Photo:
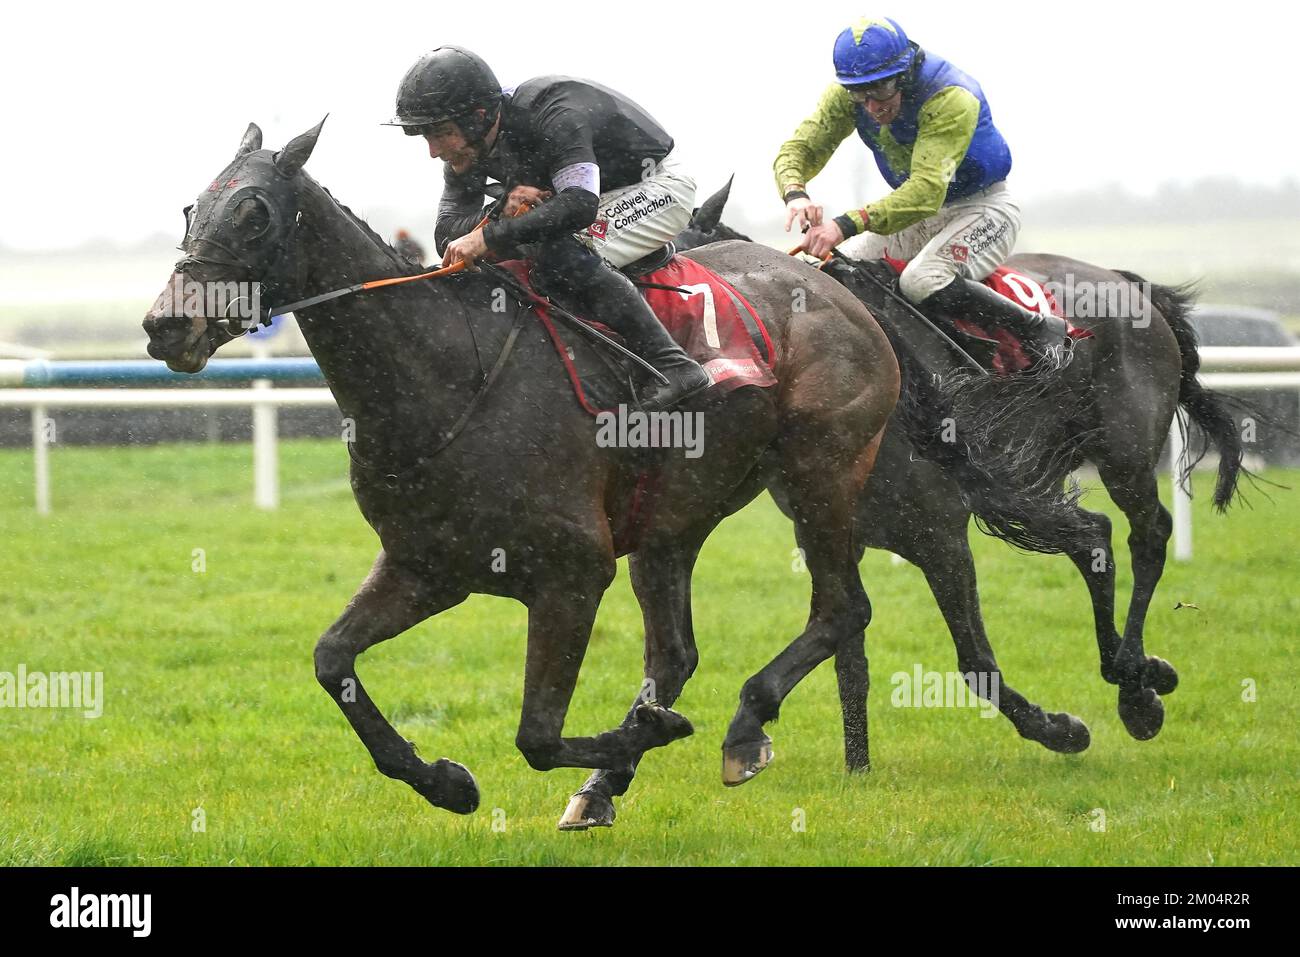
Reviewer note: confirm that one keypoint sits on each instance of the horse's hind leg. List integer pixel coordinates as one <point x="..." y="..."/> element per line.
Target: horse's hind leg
<point x="913" y="510"/>
<point x="1095" y="560"/>
<point x="823" y="472"/>
<point x="389" y="601"/>
<point x="1142" y="679"/>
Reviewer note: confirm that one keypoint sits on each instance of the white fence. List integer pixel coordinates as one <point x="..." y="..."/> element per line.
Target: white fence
<point x="260" y="397"/>
<point x="1226" y="368"/>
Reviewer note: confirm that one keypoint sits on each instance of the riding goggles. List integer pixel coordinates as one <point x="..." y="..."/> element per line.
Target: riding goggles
<point x="879" y="90"/>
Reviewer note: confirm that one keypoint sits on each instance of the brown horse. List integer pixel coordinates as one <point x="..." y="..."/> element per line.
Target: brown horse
<point x="481" y="474"/>
<point x="1112" y="405"/>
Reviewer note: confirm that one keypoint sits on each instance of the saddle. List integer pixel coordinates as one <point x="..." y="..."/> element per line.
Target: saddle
<point x="706" y="315"/>
<point x="996" y="349"/>
<point x="658" y="259"/>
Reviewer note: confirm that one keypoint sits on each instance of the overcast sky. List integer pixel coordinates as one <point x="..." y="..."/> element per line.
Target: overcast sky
<point x="117" y="114"/>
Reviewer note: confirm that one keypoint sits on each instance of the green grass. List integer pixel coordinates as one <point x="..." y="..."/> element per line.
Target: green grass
<point x="211" y="702"/>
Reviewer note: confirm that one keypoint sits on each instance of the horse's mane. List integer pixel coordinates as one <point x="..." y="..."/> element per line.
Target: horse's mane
<point x="404" y="267"/>
<point x="468" y="287"/>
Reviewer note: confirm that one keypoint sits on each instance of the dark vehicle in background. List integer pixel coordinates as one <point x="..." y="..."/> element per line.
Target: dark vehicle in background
<point x="1278" y="433"/>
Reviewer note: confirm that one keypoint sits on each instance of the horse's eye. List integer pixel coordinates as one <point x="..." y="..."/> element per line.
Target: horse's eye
<point x="252" y="218"/>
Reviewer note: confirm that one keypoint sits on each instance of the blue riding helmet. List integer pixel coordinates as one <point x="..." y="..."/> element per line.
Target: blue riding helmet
<point x="872" y="49"/>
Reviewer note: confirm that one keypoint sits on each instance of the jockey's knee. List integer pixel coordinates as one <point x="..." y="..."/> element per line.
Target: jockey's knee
<point x="565" y="265"/>
<point x="923" y="278"/>
<point x="864" y="246"/>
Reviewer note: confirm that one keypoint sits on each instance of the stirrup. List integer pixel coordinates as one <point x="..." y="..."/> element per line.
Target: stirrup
<point x="1052" y="354"/>
<point x="660" y="398"/>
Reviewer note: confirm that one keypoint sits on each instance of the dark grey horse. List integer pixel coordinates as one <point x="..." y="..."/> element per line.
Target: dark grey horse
<point x="480" y="473"/>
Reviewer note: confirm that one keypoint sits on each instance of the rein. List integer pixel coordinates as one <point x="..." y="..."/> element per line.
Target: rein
<point x="519" y="289"/>
<point x="378" y="283"/>
<point x="923" y="321"/>
<point x="525" y="297"/>
<point x="363" y="286"/>
<point x="393" y="479"/>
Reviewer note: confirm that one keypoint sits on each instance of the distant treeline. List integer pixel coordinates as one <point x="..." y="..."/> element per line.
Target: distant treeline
<point x="1216" y="199"/>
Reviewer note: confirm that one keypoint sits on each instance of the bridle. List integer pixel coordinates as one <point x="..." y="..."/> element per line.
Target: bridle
<point x="225" y="327"/>
<point x="222" y="330"/>
<point x="524" y="296"/>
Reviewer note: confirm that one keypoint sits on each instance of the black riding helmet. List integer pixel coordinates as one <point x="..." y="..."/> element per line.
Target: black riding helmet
<point x="449" y="83"/>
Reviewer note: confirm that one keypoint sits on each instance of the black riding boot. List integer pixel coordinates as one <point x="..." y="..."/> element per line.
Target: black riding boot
<point x="581" y="278"/>
<point x="622" y="308"/>
<point x="1042" y="336"/>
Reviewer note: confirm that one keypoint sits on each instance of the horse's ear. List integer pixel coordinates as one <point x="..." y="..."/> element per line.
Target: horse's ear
<point x="292" y="158"/>
<point x="252" y="141"/>
<point x="707" y="217"/>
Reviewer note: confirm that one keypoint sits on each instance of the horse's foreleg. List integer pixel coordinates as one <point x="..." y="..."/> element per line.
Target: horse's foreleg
<point x="389" y="601"/>
<point x="661" y="578"/>
<point x="853" y="682"/>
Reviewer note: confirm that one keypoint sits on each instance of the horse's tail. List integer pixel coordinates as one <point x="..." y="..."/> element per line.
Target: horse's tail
<point x="1206" y="408"/>
<point x="1005" y="443"/>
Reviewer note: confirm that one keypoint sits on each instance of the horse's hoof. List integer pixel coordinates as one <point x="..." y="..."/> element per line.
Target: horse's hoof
<point x="1142" y="712"/>
<point x="1065" y="734"/>
<point x="742" y="762"/>
<point x="587" y="809"/>
<point x="666" y="724"/>
<point x="1159" y="675"/>
<point x="448" y="785"/>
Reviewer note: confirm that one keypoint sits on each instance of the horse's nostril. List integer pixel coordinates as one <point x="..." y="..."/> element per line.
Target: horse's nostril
<point x="159" y="326"/>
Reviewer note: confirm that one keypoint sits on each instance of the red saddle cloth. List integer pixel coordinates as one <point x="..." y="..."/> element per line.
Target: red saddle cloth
<point x="702" y="312"/>
<point x="1023" y="291"/>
